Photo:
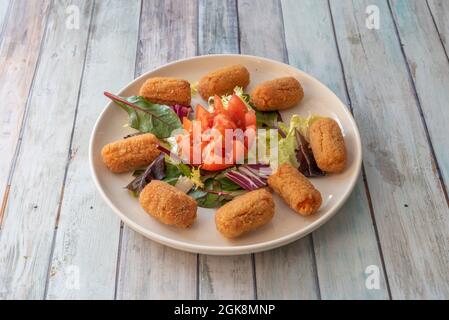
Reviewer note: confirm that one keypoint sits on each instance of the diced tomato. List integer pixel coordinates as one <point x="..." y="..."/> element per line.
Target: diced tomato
<point x="187" y="124"/>
<point x="237" y="110"/>
<point x="204" y="116"/>
<point x="222" y="122"/>
<point x="250" y="136"/>
<point x="250" y="118"/>
<point x="218" y="106"/>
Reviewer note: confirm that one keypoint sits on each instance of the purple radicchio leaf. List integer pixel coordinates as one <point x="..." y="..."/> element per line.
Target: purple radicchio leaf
<point x="155" y="171"/>
<point x="181" y="111"/>
<point x="306" y="160"/>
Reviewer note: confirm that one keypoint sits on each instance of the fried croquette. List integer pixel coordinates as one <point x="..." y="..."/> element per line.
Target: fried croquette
<point x="328" y="145"/>
<point x="168" y="204"/>
<point x="277" y="94"/>
<point x="245" y="213"/>
<point x="223" y="81"/>
<point x="296" y="190"/>
<point x="131" y="153"/>
<point x="166" y="90"/>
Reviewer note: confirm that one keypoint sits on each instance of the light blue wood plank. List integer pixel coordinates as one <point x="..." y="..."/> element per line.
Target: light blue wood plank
<point x="228" y="277"/>
<point x="148" y="270"/>
<point x="17" y="68"/>
<point x="87" y="238"/>
<point x="30" y="217"/>
<point x="440" y="14"/>
<point x="411" y="212"/>
<point x="346" y="245"/>
<point x="288" y="272"/>
<point x="420" y="41"/>
<point x="4" y="6"/>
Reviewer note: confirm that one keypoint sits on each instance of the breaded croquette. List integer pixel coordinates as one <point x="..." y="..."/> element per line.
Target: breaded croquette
<point x="166" y="90"/>
<point x="277" y="94"/>
<point x="245" y="213"/>
<point x="223" y="81"/>
<point x="328" y="145"/>
<point x="296" y="190"/>
<point x="131" y="153"/>
<point x="168" y="204"/>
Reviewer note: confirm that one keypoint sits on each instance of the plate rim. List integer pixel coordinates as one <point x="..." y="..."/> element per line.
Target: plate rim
<point x="230" y="250"/>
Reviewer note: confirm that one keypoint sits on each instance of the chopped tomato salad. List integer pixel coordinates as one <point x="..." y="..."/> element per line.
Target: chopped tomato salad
<point x="218" y="139"/>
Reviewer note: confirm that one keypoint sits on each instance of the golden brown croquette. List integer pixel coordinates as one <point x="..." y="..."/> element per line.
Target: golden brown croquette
<point x="328" y="145"/>
<point x="296" y="190"/>
<point x="168" y="204"/>
<point x="223" y="81"/>
<point x="245" y="213"/>
<point x="277" y="94"/>
<point x="166" y="90"/>
<point x="131" y="153"/>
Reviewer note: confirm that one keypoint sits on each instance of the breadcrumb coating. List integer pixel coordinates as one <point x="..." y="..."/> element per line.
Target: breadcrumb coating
<point x="166" y="90"/>
<point x="245" y="213"/>
<point x="168" y="204"/>
<point x="131" y="153"/>
<point x="328" y="145"/>
<point x="277" y="94"/>
<point x="223" y="81"/>
<point x="296" y="190"/>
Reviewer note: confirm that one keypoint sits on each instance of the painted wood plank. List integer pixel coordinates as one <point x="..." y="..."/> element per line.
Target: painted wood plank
<point x="218" y="27"/>
<point x="227" y="277"/>
<point x="408" y="201"/>
<point x="420" y="41"/>
<point x="440" y="14"/>
<point x="148" y="270"/>
<point x="4" y="6"/>
<point x="274" y="277"/>
<point x="346" y="245"/>
<point x="28" y="229"/>
<point x="19" y="52"/>
<point x="87" y="238"/>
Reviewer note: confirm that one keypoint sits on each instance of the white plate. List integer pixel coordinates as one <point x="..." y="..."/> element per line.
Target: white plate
<point x="203" y="237"/>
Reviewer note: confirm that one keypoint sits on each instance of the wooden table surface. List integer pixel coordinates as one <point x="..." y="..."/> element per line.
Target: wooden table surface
<point x="59" y="239"/>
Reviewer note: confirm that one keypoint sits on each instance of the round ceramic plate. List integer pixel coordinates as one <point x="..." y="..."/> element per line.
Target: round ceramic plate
<point x="203" y="237"/>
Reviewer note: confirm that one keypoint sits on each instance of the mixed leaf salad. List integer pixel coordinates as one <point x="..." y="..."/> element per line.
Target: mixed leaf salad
<point x="216" y="177"/>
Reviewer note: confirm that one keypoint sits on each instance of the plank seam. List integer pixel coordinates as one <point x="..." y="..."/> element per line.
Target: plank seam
<point x="437" y="29"/>
<point x="285" y="49"/>
<point x="239" y="36"/>
<point x="420" y="110"/>
<point x="120" y="239"/>
<point x="69" y="156"/>
<point x="27" y="106"/>
<point x="315" y="267"/>
<point x="253" y="267"/>
<point x="365" y="182"/>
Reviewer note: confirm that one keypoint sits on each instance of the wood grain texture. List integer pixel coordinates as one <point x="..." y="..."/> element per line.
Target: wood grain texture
<point x="420" y="40"/>
<point x="408" y="201"/>
<point x="297" y="277"/>
<point x="440" y="14"/>
<point x="87" y="238"/>
<point x="218" y="27"/>
<point x="148" y="270"/>
<point x="27" y="234"/>
<point x="348" y="240"/>
<point x="4" y="8"/>
<point x="19" y="53"/>
<point x="229" y="277"/>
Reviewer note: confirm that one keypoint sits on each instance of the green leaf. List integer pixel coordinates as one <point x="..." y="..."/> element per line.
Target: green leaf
<point x="267" y="119"/>
<point x="145" y="116"/>
<point x="172" y="173"/>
